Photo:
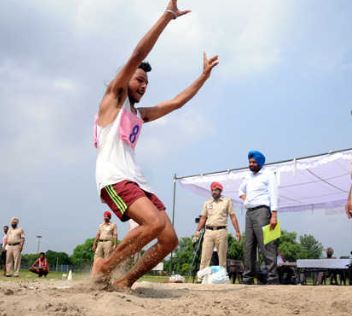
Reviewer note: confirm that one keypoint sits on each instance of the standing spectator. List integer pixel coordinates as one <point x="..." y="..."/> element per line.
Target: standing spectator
<point x="40" y="266"/>
<point x="259" y="194"/>
<point x="106" y="238"/>
<point x="14" y="247"/>
<point x="3" y="249"/>
<point x="214" y="217"/>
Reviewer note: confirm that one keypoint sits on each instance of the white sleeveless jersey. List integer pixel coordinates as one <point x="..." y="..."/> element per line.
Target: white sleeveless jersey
<point x="115" y="145"/>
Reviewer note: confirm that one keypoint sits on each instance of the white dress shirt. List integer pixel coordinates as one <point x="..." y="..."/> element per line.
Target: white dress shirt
<point x="260" y="189"/>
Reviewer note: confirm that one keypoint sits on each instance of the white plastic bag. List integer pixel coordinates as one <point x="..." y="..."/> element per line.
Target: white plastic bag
<point x="176" y="278"/>
<point x="219" y="276"/>
<point x="213" y="275"/>
<point x="202" y="273"/>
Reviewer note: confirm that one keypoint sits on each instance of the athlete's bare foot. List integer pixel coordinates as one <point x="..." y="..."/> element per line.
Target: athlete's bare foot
<point x="121" y="286"/>
<point x="99" y="273"/>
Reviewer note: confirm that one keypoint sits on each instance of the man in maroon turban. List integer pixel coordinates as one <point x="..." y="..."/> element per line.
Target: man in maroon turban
<point x="214" y="217"/>
<point x="106" y="238"/>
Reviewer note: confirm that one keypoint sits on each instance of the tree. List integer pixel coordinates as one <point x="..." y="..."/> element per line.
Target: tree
<point x="59" y="258"/>
<point x="235" y="248"/>
<point x="182" y="258"/>
<point x="28" y="259"/>
<point x="310" y="247"/>
<point x="307" y="247"/>
<point x="83" y="255"/>
<point x="288" y="246"/>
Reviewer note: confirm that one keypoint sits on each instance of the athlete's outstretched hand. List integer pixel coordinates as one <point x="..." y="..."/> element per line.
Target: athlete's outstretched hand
<point x="209" y="63"/>
<point x="172" y="6"/>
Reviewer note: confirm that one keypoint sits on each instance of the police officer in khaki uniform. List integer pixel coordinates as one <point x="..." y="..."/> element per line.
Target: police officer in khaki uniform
<point x="14" y="247"/>
<point x="106" y="238"/>
<point x="214" y="217"/>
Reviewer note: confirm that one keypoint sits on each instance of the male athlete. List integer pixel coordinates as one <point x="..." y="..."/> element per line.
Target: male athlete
<point x="120" y="182"/>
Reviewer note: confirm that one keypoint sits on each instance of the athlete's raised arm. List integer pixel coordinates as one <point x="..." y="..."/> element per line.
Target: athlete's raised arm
<point x="165" y="107"/>
<point x="118" y="86"/>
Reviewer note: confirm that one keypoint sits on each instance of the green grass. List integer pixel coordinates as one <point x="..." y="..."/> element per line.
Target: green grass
<point x="29" y="276"/>
<point x="155" y="278"/>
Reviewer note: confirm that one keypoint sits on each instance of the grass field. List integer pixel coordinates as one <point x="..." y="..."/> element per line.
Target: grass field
<point x="77" y="276"/>
<point x="27" y="275"/>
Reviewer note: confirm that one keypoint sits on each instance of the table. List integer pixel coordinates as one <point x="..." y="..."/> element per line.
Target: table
<point x="340" y="266"/>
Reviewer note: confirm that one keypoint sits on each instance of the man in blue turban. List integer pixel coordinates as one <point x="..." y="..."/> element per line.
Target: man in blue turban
<point x="259" y="194"/>
<point x="258" y="157"/>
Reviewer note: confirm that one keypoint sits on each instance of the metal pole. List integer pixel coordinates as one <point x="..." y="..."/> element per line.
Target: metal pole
<point x="38" y="245"/>
<point x="174" y="202"/>
<point x="173" y="215"/>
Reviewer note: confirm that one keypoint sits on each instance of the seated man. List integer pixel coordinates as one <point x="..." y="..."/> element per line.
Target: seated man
<point x="332" y="275"/>
<point x="285" y="272"/>
<point x="40" y="266"/>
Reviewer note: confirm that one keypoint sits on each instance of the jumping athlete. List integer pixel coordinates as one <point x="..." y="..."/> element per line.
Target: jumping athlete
<point x="120" y="182"/>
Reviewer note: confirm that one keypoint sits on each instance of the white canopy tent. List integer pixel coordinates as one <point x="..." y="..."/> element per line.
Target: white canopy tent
<point x="320" y="181"/>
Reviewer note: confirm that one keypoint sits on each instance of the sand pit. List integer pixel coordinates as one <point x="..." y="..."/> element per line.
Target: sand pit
<point x="79" y="299"/>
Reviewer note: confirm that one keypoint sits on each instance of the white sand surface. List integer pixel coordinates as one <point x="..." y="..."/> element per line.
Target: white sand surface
<point x="36" y="298"/>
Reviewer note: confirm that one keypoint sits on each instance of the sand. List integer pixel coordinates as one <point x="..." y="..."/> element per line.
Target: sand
<point x="78" y="299"/>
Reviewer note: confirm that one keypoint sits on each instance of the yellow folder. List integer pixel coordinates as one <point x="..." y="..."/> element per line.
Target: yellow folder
<point x="270" y="235"/>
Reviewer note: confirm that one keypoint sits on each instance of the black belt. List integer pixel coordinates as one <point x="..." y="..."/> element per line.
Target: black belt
<point x="215" y="227"/>
<point x="102" y="240"/>
<point x="258" y="207"/>
<point x="14" y="244"/>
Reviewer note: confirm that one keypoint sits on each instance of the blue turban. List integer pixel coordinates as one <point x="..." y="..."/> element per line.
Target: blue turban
<point x="258" y="157"/>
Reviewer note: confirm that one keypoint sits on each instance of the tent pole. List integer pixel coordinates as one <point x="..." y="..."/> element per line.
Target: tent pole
<point x="173" y="215"/>
<point x="174" y="201"/>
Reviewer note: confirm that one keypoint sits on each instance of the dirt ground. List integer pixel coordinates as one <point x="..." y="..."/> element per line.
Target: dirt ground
<point x="78" y="298"/>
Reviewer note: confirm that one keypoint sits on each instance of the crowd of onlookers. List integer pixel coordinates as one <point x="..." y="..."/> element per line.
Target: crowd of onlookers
<point x="14" y="238"/>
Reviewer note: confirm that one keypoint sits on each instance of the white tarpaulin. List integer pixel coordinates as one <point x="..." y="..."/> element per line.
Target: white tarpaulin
<point x="306" y="183"/>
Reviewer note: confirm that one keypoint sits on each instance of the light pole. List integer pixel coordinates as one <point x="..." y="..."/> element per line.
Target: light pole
<point x="38" y="245"/>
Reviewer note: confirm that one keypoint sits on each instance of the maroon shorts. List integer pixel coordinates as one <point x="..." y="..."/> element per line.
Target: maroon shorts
<point x="120" y="196"/>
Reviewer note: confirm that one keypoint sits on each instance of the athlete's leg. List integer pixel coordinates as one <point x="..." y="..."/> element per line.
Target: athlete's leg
<point x="167" y="241"/>
<point x="151" y="224"/>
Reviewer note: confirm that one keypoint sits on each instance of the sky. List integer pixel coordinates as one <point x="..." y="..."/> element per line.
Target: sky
<point x="283" y="86"/>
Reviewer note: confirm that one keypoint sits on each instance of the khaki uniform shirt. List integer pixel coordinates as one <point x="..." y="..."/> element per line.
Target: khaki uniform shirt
<point x="107" y="231"/>
<point x="15" y="235"/>
<point x="217" y="211"/>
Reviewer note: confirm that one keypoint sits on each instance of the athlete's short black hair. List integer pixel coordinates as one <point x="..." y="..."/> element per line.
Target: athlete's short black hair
<point x="145" y="66"/>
